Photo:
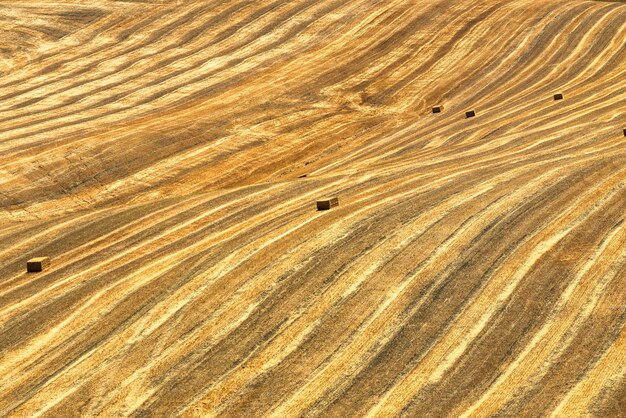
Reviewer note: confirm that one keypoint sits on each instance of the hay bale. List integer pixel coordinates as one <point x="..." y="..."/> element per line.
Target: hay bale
<point x="558" y="96"/>
<point x="37" y="264"/>
<point x="437" y="109"/>
<point x="326" y="204"/>
<point x="301" y="176"/>
<point x="470" y="114"/>
<point x="624" y="132"/>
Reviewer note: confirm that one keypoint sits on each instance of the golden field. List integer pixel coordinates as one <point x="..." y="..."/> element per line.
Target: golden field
<point x="154" y="150"/>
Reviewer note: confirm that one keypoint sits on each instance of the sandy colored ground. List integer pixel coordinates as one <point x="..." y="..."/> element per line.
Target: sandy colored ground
<point x="152" y="149"/>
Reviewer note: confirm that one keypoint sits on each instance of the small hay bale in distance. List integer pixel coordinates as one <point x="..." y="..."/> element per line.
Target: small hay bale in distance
<point x="558" y="96"/>
<point x="470" y="114"/>
<point x="625" y="132"/>
<point x="437" y="109"/>
<point x="326" y="204"/>
<point x="37" y="264"/>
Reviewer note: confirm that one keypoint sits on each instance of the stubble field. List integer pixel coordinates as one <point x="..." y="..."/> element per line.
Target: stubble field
<point x="155" y="151"/>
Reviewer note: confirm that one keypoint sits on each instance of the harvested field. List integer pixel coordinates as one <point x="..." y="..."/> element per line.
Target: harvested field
<point x="156" y="152"/>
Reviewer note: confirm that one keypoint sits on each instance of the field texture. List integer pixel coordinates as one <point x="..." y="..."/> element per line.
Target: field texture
<point x="155" y="150"/>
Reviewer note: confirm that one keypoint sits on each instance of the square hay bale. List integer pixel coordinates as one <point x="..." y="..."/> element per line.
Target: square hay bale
<point x="437" y="109"/>
<point x="326" y="204"/>
<point x="470" y="114"/>
<point x="37" y="264"/>
<point x="558" y="96"/>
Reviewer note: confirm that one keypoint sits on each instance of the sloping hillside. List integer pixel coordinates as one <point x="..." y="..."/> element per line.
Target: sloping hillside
<point x="156" y="150"/>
